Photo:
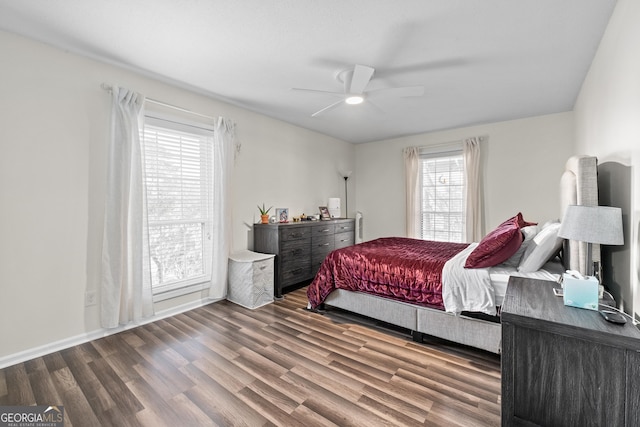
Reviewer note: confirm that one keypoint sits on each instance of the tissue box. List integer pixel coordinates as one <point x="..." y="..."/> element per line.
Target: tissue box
<point x="581" y="293"/>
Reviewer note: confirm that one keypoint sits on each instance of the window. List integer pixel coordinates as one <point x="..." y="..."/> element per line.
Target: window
<point x="178" y="175"/>
<point x="442" y="196"/>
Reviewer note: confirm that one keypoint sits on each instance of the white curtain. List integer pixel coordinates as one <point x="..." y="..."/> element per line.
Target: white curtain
<point x="412" y="175"/>
<point x="473" y="200"/>
<point x="224" y="152"/>
<point x="126" y="284"/>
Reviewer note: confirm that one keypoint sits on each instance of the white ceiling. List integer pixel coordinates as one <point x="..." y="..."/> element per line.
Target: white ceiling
<point x="480" y="61"/>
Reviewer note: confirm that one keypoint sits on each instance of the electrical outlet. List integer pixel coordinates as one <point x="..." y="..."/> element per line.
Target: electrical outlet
<point x="90" y="298"/>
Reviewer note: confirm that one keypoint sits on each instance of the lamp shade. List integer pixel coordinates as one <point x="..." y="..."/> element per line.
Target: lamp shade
<point x="592" y="224"/>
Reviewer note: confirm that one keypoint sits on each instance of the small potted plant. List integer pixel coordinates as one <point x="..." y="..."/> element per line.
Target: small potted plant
<point x="264" y="214"/>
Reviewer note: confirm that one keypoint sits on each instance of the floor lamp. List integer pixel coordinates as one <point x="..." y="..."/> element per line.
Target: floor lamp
<point x="346" y="176"/>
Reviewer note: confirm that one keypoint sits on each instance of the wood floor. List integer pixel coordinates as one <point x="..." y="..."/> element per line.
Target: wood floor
<point x="277" y="365"/>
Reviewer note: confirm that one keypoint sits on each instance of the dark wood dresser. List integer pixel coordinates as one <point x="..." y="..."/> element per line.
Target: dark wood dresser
<point x="300" y="247"/>
<point x="565" y="366"/>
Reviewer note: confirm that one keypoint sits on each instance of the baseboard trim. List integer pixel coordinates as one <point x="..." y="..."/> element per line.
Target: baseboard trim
<point x="43" y="350"/>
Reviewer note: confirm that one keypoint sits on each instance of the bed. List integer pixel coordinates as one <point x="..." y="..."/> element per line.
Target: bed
<point x="452" y="291"/>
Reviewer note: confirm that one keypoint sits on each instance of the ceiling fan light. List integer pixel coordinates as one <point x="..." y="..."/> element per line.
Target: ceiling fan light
<point x="354" y="100"/>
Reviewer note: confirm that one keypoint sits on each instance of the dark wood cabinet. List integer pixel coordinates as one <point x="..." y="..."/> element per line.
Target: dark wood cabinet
<point x="565" y="366"/>
<point x="300" y="247"/>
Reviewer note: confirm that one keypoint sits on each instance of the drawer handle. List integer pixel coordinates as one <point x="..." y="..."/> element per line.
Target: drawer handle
<point x="344" y="240"/>
<point x="296" y="251"/>
<point x="324" y="244"/>
<point x="263" y="267"/>
<point x="296" y="234"/>
<point x="326" y="230"/>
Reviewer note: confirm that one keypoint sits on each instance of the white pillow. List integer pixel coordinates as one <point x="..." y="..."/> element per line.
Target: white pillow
<point x="541" y="249"/>
<point x="528" y="234"/>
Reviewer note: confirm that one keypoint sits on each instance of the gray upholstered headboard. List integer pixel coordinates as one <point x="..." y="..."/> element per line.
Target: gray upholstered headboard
<point x="579" y="186"/>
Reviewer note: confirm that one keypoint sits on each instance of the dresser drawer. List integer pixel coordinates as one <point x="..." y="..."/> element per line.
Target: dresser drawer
<point x="294" y="249"/>
<point x="342" y="240"/>
<point x="295" y="270"/>
<point x="295" y="261"/>
<point x="324" y="230"/>
<point x="344" y="227"/>
<point x="294" y="233"/>
<point x="316" y="262"/>
<point x="322" y="244"/>
<point x="320" y="247"/>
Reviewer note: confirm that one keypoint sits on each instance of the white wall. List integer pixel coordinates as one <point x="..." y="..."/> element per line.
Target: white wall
<point x="53" y="131"/>
<point x="607" y="115"/>
<point x="522" y="162"/>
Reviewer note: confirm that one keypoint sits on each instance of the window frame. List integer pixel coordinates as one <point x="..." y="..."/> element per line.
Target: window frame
<point x="448" y="151"/>
<point x="178" y="125"/>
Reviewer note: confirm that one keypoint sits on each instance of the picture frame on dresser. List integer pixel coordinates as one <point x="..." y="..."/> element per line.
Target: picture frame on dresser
<point x="324" y="213"/>
<point x="282" y="214"/>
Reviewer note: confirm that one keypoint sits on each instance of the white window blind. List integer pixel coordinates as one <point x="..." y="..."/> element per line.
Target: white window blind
<point x="178" y="178"/>
<point x="442" y="196"/>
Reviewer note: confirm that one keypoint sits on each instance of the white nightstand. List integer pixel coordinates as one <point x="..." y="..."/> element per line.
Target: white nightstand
<point x="250" y="279"/>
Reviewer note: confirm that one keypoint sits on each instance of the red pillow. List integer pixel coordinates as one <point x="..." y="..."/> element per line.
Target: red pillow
<point x="521" y="222"/>
<point x="499" y="245"/>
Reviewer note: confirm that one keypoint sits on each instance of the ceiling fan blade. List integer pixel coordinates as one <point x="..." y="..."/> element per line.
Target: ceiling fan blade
<point x="317" y="91"/>
<point x="375" y="106"/>
<point x="327" y="108"/>
<point x="360" y="79"/>
<point x="404" y="91"/>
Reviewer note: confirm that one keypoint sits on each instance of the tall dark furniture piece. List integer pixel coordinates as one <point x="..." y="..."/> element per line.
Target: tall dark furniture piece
<point x="565" y="366"/>
<point x="300" y="247"/>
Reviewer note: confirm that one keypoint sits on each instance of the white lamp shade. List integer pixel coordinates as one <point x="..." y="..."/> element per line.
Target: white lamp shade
<point x="592" y="224"/>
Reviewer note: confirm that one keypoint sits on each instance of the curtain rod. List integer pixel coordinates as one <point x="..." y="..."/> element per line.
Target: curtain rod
<point x="448" y="143"/>
<point x="457" y="141"/>
<point x="109" y="88"/>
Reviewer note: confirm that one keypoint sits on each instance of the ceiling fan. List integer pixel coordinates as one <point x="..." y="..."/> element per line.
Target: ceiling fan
<point x="355" y="83"/>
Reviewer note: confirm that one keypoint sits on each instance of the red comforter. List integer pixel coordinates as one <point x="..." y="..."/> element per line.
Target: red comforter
<point x="394" y="267"/>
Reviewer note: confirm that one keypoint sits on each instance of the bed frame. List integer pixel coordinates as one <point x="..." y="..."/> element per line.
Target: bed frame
<point x="578" y="186"/>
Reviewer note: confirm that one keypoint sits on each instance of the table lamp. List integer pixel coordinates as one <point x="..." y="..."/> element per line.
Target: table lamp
<point x="592" y="224"/>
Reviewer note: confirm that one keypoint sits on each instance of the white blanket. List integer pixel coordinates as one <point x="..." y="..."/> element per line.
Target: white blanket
<point x="467" y="289"/>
